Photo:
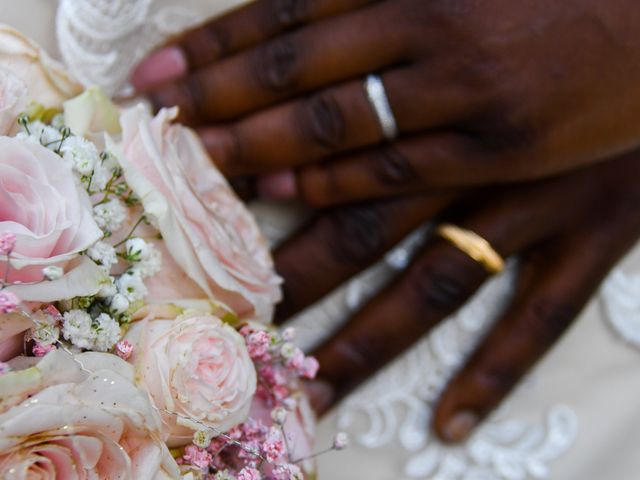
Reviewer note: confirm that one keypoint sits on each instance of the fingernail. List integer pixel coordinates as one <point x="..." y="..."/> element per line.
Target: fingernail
<point x="460" y="426"/>
<point x="159" y="67"/>
<point x="277" y="186"/>
<point x="321" y="395"/>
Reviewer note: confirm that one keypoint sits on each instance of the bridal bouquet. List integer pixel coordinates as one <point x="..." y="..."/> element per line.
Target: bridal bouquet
<point x="135" y="298"/>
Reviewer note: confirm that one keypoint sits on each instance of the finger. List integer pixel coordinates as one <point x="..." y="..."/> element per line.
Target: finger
<point x="235" y="31"/>
<point x="328" y="123"/>
<point x="434" y="160"/>
<point x="343" y="242"/>
<point x="304" y="60"/>
<point x="438" y="160"/>
<point x="442" y="278"/>
<point x="555" y="283"/>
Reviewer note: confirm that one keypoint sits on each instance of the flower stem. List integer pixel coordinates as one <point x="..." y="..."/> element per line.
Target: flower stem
<point x="140" y="220"/>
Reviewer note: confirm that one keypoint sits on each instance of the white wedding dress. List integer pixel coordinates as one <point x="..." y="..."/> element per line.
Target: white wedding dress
<point x="576" y="417"/>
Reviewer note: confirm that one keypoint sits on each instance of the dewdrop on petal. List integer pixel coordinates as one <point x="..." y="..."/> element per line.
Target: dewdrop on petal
<point x="340" y="441"/>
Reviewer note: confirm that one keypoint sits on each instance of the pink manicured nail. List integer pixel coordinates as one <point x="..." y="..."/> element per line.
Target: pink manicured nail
<point x="460" y="426"/>
<point x="159" y="67"/>
<point x="278" y="186"/>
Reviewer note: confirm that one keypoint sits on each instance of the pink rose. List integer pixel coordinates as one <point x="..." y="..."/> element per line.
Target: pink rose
<point x="47" y="81"/>
<point x="195" y="366"/>
<point x="58" y="421"/>
<point x="50" y="217"/>
<point x="207" y="230"/>
<point x="13" y="100"/>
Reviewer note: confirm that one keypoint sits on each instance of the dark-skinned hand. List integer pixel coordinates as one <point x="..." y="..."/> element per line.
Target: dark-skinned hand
<point x="483" y="91"/>
<point x="567" y="231"/>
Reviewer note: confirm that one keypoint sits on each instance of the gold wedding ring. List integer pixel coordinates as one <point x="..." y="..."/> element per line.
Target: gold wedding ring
<point x="473" y="245"/>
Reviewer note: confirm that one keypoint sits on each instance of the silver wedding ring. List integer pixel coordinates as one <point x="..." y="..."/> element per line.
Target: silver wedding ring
<point x="380" y="103"/>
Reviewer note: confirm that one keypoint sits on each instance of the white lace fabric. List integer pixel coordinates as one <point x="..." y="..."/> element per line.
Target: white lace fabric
<point x="101" y="41"/>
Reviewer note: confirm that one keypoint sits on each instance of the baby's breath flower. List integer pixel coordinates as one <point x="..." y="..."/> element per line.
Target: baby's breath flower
<point x="340" y="441"/>
<point x="136" y="248"/>
<point x="224" y="475"/>
<point x="279" y="415"/>
<point x="7" y="242"/>
<point x="8" y="302"/>
<point x="150" y="263"/>
<point x="108" y="333"/>
<point x="81" y="154"/>
<point x="289" y="334"/>
<point x="131" y="286"/>
<point x="124" y="349"/>
<point x="103" y="254"/>
<point x="288" y="350"/>
<point x="110" y="215"/>
<point x="202" y="439"/>
<point x="41" y="349"/>
<point x="108" y="288"/>
<point x="119" y="304"/>
<point x="77" y="328"/>
<point x="46" y="330"/>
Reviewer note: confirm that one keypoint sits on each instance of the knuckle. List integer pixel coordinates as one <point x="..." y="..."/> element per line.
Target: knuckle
<point x="195" y="90"/>
<point x="357" y="352"/>
<point x="322" y="121"/>
<point x="206" y="44"/>
<point x="275" y="64"/>
<point x="546" y="320"/>
<point x="356" y="235"/>
<point x="233" y="155"/>
<point x="289" y="13"/>
<point x="504" y="130"/>
<point x="390" y="167"/>
<point x="436" y="289"/>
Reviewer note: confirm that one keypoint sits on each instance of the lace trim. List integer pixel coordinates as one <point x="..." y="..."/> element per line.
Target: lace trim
<point x="620" y="296"/>
<point x="102" y="41"/>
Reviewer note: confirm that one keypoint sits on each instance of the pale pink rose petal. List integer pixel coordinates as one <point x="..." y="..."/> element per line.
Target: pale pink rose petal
<point x="195" y="366"/>
<point x="208" y="232"/>
<point x="43" y="207"/>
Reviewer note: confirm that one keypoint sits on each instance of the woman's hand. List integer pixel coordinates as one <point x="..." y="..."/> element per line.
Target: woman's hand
<point x="567" y="231"/>
<point x="483" y="92"/>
